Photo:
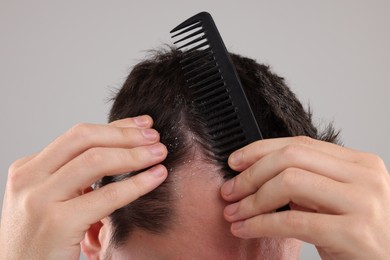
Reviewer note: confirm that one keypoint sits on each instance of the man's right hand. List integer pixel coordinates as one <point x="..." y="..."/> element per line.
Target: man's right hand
<point x="46" y="211"/>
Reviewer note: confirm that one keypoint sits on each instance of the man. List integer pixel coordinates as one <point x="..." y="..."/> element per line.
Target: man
<point x="339" y="198"/>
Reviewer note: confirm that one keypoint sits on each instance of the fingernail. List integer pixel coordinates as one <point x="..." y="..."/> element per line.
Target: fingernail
<point x="231" y="209"/>
<point x="235" y="158"/>
<point x="149" y="134"/>
<point x="157" y="171"/>
<point x="227" y="187"/>
<point x="157" y="149"/>
<point x="141" y="120"/>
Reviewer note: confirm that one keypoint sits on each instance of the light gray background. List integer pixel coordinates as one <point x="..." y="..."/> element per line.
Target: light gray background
<point x="60" y="60"/>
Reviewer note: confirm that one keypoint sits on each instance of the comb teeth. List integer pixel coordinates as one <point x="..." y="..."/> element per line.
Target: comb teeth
<point x="192" y="33"/>
<point x="190" y="26"/>
<point x="215" y="86"/>
<point x="206" y="52"/>
<point x="189" y="36"/>
<point x="209" y="64"/>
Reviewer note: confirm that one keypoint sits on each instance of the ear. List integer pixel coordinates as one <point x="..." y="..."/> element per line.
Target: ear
<point x="97" y="238"/>
<point x="92" y="243"/>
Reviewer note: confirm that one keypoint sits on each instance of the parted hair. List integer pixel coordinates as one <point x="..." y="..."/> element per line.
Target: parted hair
<point x="156" y="86"/>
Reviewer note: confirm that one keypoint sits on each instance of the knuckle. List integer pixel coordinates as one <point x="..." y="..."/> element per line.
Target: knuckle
<point x="305" y="140"/>
<point x="93" y="156"/>
<point x="375" y="170"/>
<point x="14" y="175"/>
<point x="374" y="176"/>
<point x="289" y="178"/>
<point x="131" y="156"/>
<point x="257" y="147"/>
<point x="126" y="132"/>
<point x="250" y="174"/>
<point x="292" y="152"/>
<point x="376" y="161"/>
<point x="293" y="220"/>
<point x="32" y="202"/>
<point x="356" y="234"/>
<point x="15" y="165"/>
<point x="249" y="178"/>
<point x="378" y="182"/>
<point x="255" y="201"/>
<point x="81" y="131"/>
<point x="109" y="194"/>
<point x="134" y="135"/>
<point x="123" y="155"/>
<point x="119" y="155"/>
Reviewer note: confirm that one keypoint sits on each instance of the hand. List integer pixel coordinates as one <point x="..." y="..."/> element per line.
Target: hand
<point x="46" y="211"/>
<point x="340" y="198"/>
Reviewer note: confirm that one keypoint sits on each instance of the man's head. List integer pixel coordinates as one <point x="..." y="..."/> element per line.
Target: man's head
<point x="184" y="215"/>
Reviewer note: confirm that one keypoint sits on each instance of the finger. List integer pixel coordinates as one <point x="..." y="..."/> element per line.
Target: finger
<point x="98" y="204"/>
<point x="98" y="162"/>
<point x="302" y="157"/>
<point x="315" y="228"/>
<point x="246" y="156"/>
<point x="303" y="188"/>
<point x="84" y="136"/>
<point x="143" y="121"/>
<point x="140" y="122"/>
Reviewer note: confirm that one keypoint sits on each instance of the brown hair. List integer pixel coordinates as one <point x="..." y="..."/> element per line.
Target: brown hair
<point x="155" y="87"/>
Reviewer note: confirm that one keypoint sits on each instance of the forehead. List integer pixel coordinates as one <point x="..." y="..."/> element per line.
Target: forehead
<point x="198" y="204"/>
<point x="196" y="190"/>
<point x="199" y="230"/>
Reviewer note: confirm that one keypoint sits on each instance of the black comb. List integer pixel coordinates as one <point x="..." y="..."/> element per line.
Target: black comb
<point x="216" y="88"/>
<point x="215" y="85"/>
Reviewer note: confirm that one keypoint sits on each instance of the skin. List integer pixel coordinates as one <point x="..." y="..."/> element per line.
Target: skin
<point x="47" y="207"/>
<point x="340" y="199"/>
<point x="199" y="230"/>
